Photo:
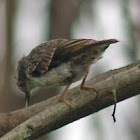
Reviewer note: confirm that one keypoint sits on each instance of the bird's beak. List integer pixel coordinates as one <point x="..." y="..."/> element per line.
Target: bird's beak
<point x="27" y="99"/>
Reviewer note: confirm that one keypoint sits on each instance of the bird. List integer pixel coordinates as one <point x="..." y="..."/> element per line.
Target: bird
<point x="59" y="62"/>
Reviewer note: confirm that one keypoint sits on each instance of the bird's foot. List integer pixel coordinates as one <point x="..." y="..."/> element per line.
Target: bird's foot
<point x="62" y="99"/>
<point x="90" y="88"/>
<point x="83" y="87"/>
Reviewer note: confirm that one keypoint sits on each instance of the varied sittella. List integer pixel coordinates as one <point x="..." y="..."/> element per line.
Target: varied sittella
<point x="59" y="62"/>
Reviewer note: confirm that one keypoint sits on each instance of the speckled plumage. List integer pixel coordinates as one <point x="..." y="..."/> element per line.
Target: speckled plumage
<point x="59" y="62"/>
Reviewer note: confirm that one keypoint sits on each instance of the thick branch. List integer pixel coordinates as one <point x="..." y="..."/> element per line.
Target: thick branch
<point x="125" y="81"/>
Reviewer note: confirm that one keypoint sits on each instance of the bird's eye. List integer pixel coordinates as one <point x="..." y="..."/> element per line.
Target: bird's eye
<point x="19" y="84"/>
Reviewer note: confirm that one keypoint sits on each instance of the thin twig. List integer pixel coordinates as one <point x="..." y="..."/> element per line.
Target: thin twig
<point x="115" y="105"/>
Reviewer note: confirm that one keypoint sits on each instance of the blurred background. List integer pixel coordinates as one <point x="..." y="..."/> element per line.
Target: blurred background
<point x="25" y="24"/>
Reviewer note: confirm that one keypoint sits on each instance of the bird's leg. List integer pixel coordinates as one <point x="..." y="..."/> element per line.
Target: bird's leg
<point x="63" y="97"/>
<point x="83" y="87"/>
<point x="27" y="99"/>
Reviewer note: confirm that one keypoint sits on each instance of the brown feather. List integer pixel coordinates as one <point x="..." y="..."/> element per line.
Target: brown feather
<point x="55" y="52"/>
<point x="40" y="57"/>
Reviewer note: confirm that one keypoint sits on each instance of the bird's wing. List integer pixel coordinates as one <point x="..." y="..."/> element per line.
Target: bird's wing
<point x="40" y="57"/>
<point x="69" y="49"/>
<point x="55" y="52"/>
<point x="75" y="45"/>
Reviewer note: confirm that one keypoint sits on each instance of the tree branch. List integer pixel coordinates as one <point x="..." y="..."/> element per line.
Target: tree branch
<point x="52" y="114"/>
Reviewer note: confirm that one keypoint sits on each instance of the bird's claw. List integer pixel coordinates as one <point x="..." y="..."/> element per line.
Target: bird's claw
<point x="61" y="99"/>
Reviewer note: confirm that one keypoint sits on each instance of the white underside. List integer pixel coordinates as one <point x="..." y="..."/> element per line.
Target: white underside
<point x="57" y="76"/>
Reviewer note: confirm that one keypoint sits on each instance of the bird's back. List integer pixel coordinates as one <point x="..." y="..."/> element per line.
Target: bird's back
<point x="56" y="52"/>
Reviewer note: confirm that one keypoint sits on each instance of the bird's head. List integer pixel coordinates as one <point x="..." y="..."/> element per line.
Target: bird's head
<point x="22" y="79"/>
<point x="20" y="75"/>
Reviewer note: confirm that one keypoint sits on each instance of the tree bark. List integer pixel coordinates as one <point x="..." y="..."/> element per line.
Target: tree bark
<point x="49" y="115"/>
